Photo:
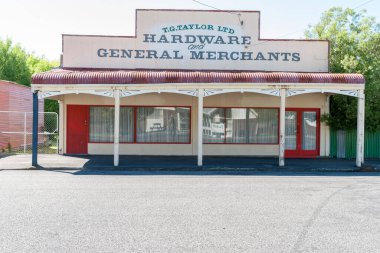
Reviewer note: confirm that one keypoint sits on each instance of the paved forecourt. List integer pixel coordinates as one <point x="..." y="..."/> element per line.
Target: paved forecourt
<point x="110" y="211"/>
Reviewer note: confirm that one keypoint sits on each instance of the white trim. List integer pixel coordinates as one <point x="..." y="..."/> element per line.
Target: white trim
<point x="200" y="127"/>
<point x="46" y="94"/>
<point x="327" y="127"/>
<point x="352" y="93"/>
<point x="211" y="92"/>
<point x="194" y="86"/>
<point x="281" y="159"/>
<point x="128" y="93"/>
<point x="290" y="93"/>
<point x="360" y="130"/>
<point x="60" y="127"/>
<point x="273" y="91"/>
<point x="116" y="128"/>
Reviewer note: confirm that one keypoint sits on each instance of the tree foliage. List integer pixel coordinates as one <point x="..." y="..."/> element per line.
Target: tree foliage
<point x="13" y="63"/>
<point x="18" y="66"/>
<point x="354" y="48"/>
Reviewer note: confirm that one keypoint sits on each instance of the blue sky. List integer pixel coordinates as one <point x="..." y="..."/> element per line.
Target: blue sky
<point x="38" y="24"/>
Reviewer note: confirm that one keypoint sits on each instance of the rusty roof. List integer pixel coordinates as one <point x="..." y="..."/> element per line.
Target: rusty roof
<point x="83" y="76"/>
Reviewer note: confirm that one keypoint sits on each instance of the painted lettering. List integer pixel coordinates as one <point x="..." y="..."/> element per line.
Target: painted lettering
<point x="190" y="38"/>
<point x="223" y="56"/>
<point x="233" y="40"/>
<point x="219" y="40"/>
<point x="273" y="56"/>
<point x="197" y="55"/>
<point x="114" y="53"/>
<point x="246" y="56"/>
<point x="260" y="57"/>
<point x="126" y="53"/>
<point x="246" y="40"/>
<point x="102" y="52"/>
<point x="211" y="55"/>
<point x="151" y="54"/>
<point x="286" y="56"/>
<point x="177" y="55"/>
<point x="234" y="56"/>
<point x="296" y="57"/>
<point x="205" y="39"/>
<point x="192" y="46"/>
<point x="139" y="53"/>
<point x="165" y="55"/>
<point x="176" y="38"/>
<point x="149" y="38"/>
<point x="163" y="39"/>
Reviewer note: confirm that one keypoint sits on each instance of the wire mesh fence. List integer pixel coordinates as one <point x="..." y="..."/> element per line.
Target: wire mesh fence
<point x="16" y="132"/>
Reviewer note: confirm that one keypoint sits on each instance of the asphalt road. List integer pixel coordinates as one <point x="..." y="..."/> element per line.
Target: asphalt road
<point x="65" y="211"/>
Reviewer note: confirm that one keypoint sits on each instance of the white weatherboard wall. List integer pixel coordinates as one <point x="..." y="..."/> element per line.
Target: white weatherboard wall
<point x="175" y="37"/>
<point x="316" y="100"/>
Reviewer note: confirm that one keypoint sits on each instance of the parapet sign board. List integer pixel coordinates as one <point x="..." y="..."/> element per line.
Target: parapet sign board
<point x="195" y="40"/>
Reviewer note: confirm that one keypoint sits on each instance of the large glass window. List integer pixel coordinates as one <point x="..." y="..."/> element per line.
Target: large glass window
<point x="102" y="124"/>
<point x="309" y="130"/>
<point x="213" y="125"/>
<point x="290" y="130"/>
<point x="163" y="124"/>
<point x="154" y="124"/>
<point x="262" y="125"/>
<point x="240" y="125"/>
<point x="126" y="124"/>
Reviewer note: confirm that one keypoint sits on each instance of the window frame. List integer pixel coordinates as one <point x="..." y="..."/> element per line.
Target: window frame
<point x="134" y="108"/>
<point x="225" y="123"/>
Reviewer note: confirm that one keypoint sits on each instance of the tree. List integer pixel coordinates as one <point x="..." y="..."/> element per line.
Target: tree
<point x="40" y="64"/>
<point x="354" y="48"/>
<point x="18" y="66"/>
<point x="13" y="63"/>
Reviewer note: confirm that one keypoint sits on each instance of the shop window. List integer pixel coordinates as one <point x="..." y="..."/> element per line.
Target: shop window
<point x="163" y="125"/>
<point x="213" y="125"/>
<point x="240" y="125"/>
<point x="102" y="124"/>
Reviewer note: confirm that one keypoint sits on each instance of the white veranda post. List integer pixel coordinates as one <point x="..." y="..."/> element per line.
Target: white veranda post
<point x="360" y="130"/>
<point x="60" y="127"/>
<point x="281" y="161"/>
<point x="116" y="128"/>
<point x="200" y="126"/>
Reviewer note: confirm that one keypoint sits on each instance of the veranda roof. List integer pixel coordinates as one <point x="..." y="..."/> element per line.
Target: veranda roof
<point x="97" y="76"/>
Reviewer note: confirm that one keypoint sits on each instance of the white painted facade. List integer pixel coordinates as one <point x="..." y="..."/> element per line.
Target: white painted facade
<point x="314" y="100"/>
<point x="81" y="51"/>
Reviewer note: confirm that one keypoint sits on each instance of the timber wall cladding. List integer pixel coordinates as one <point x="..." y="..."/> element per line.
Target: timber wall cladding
<point x="17" y="99"/>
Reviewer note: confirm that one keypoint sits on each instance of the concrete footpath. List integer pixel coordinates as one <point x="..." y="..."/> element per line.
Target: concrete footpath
<point x="211" y="163"/>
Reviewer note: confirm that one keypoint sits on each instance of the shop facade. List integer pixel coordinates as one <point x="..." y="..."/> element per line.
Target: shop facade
<point x="196" y="83"/>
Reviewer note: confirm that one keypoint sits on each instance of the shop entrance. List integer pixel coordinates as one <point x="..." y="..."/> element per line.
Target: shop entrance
<point x="77" y="129"/>
<point x="302" y="132"/>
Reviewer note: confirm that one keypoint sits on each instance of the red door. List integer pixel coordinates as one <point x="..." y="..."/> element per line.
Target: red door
<point x="77" y="129"/>
<point x="302" y="132"/>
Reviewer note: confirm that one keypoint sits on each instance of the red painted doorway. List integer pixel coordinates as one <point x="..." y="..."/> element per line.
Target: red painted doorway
<point x="302" y="126"/>
<point x="77" y="129"/>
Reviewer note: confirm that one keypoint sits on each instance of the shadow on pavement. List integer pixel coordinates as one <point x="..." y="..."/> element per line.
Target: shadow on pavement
<point x="212" y="173"/>
<point x="215" y="165"/>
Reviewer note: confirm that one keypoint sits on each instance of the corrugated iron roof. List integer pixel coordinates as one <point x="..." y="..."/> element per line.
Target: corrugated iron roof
<point x="78" y="76"/>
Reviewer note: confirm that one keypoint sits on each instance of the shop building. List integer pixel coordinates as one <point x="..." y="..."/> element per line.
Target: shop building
<point x="196" y="83"/>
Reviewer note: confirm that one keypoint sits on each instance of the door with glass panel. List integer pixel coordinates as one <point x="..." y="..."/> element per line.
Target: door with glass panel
<point x="302" y="132"/>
